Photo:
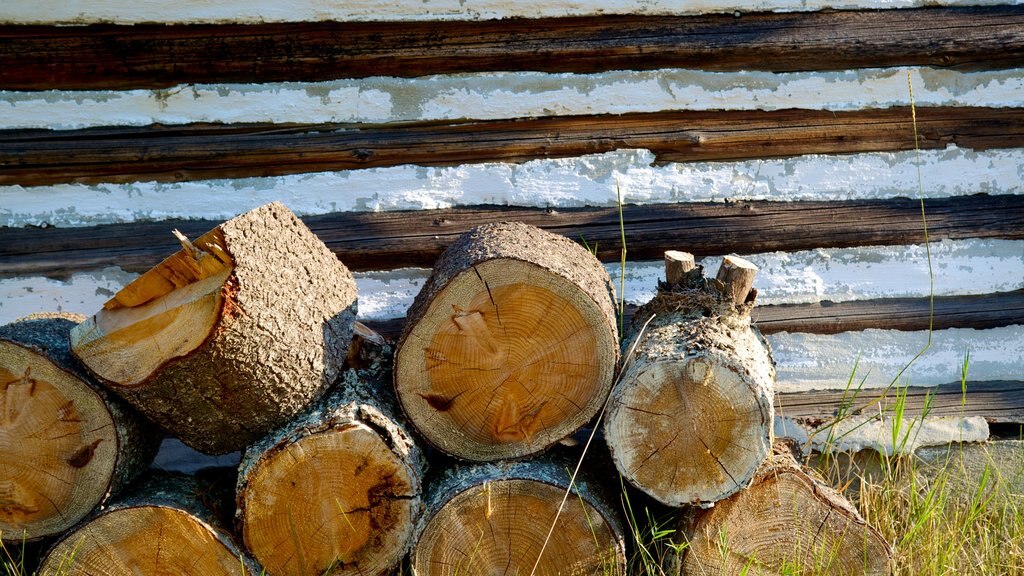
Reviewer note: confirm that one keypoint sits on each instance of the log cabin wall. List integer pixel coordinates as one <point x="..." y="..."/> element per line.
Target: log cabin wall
<point x="781" y="131"/>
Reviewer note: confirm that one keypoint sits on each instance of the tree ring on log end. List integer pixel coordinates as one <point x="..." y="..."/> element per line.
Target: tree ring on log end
<point x="508" y="359"/>
<point x="334" y="502"/>
<point x="498" y="527"/>
<point x="691" y="430"/>
<point x="144" y="540"/>
<point x="58" y="446"/>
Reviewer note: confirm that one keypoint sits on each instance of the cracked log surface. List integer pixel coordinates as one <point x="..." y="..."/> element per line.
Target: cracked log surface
<point x="66" y="445"/>
<point x="230" y="337"/>
<point x="510" y="346"/>
<point x="691" y="418"/>
<point x="493" y="519"/>
<point x="788" y="521"/>
<point x="166" y="524"/>
<point x="338" y="490"/>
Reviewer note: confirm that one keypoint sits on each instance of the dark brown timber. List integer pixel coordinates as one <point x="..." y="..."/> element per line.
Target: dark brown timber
<point x="387" y="240"/>
<point x="203" y="151"/>
<point x="907" y="314"/>
<point x="998" y="401"/>
<point x="155" y="56"/>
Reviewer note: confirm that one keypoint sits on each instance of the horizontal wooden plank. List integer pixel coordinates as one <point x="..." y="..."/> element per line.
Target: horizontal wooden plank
<point x="388" y="240"/>
<point x="204" y="151"/>
<point x="976" y="311"/>
<point x="996" y="401"/>
<point x="153" y="56"/>
<point x="904" y="314"/>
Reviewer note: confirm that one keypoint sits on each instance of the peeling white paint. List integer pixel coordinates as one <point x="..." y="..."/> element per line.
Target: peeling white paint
<point x="826" y="362"/>
<point x="84" y="293"/>
<point x="508" y="95"/>
<point x="257" y="11"/>
<point x="837" y="275"/>
<point x="568" y="182"/>
<point x="886" y="434"/>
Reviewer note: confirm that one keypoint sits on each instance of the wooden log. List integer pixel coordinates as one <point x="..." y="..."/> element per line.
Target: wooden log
<point x="494" y="519"/>
<point x="690" y="419"/>
<point x="206" y="151"/>
<point x="155" y="56"/>
<point x="167" y="524"/>
<point x="338" y="490"/>
<point x="998" y="401"/>
<point x="977" y="311"/>
<point x="231" y="336"/>
<point x="510" y="346"/>
<point x="66" y="444"/>
<point x="388" y="240"/>
<point x="788" y="521"/>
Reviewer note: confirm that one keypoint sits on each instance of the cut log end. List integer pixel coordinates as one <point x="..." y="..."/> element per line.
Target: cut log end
<point x="689" y="431"/>
<point x="58" y="443"/>
<point x="499" y="527"/>
<point x="508" y="359"/>
<point x="143" y="540"/>
<point x="342" y="503"/>
<point x="787" y="521"/>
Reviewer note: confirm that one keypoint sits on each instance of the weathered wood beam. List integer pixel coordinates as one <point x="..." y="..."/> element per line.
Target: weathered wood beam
<point x="999" y="401"/>
<point x="978" y="312"/>
<point x="155" y="56"/>
<point x="388" y="240"/>
<point x="203" y="151"/>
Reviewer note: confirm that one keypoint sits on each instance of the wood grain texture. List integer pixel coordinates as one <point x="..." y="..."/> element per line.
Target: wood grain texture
<point x="998" y="401"/>
<point x="906" y="314"/>
<point x="204" y="151"/>
<point x="155" y="56"/>
<point x="388" y="240"/>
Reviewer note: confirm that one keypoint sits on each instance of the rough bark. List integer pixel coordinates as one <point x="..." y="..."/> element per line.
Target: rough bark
<point x="788" y="521"/>
<point x="691" y="418"/>
<point x="494" y="518"/>
<point x="167" y="524"/>
<point x="66" y="444"/>
<point x="510" y="346"/>
<point x="338" y="490"/>
<point x="230" y="337"/>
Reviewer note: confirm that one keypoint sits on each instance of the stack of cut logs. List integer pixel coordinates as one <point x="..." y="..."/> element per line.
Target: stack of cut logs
<point x="246" y="339"/>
